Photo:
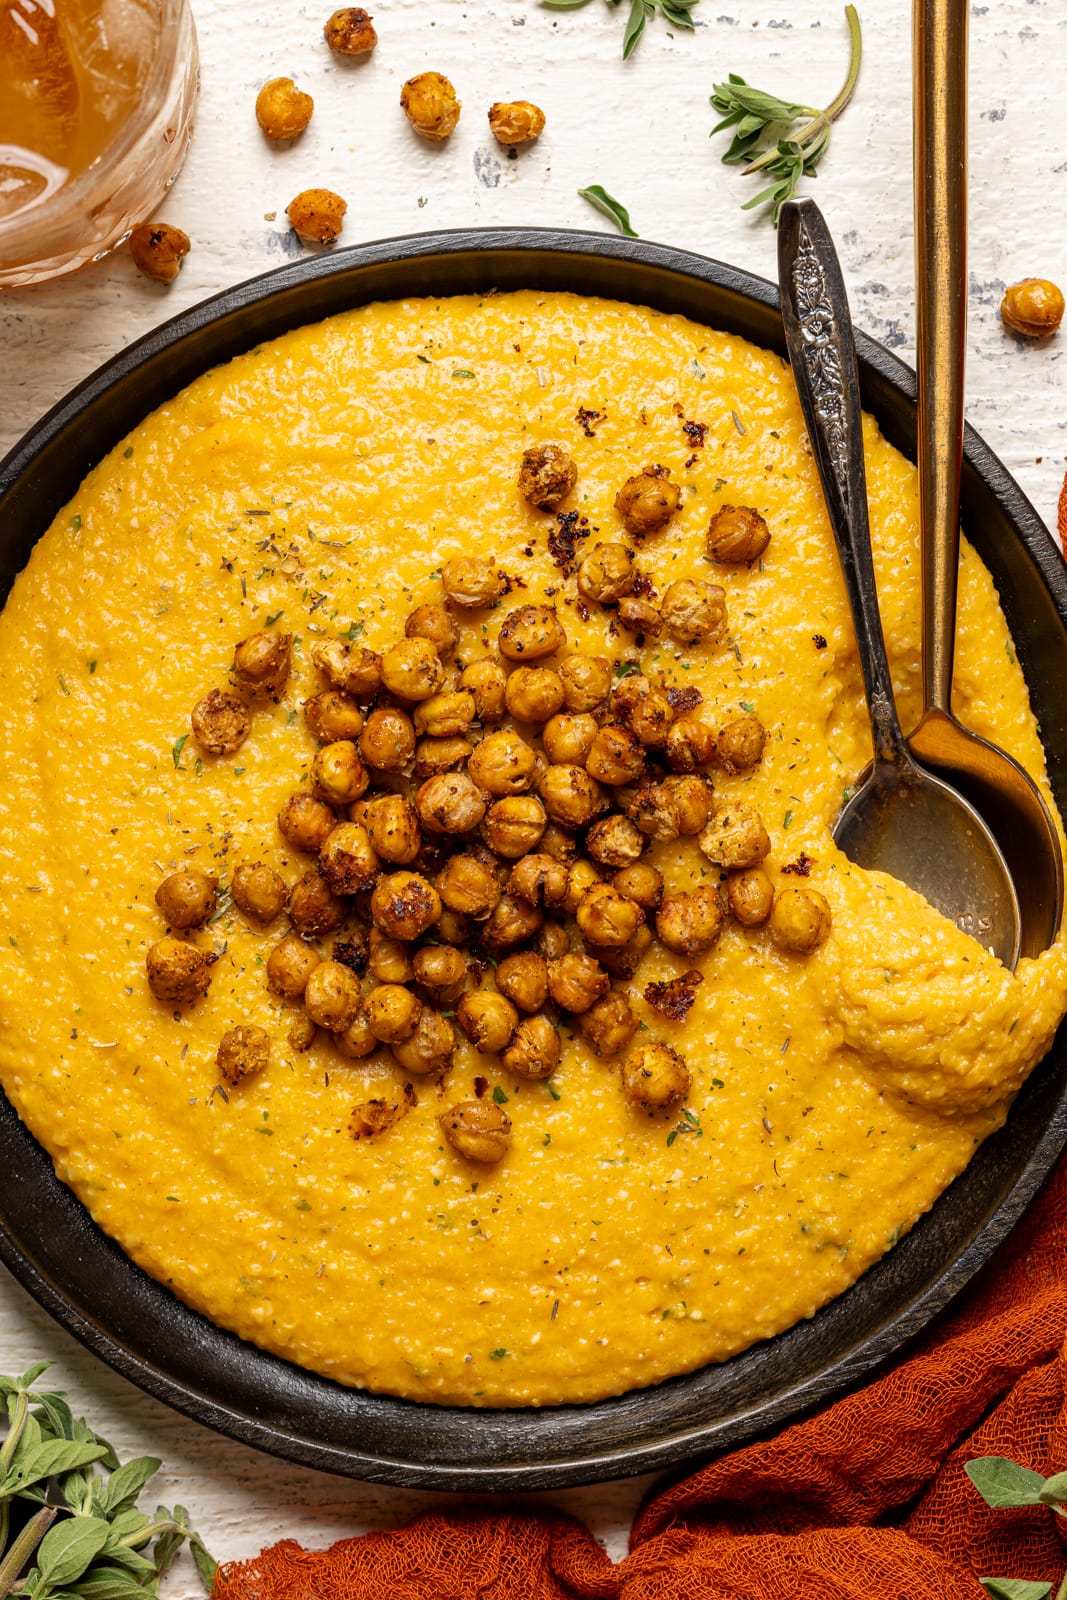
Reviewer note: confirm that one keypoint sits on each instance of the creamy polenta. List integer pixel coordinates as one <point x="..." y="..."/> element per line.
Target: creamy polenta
<point x="317" y="484"/>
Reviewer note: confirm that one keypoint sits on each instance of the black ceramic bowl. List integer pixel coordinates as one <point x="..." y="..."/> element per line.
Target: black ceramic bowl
<point x="48" y="1240"/>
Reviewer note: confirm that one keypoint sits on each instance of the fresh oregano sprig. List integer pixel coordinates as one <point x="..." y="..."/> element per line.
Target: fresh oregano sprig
<point x="70" y="1527"/>
<point x="638" y="13"/>
<point x="783" y="139"/>
<point x="1004" y="1484"/>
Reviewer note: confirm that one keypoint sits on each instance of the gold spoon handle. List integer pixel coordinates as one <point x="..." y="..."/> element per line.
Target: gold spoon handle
<point x="940" y="68"/>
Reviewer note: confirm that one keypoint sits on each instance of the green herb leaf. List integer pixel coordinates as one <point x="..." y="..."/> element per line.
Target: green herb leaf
<point x="176" y="750"/>
<point x="68" y="1548"/>
<point x="126" y="1483"/>
<point x="499" y="1096"/>
<point x="635" y="27"/>
<point x="48" y="1460"/>
<point x="206" y="1565"/>
<point x="109" y="1583"/>
<point x="1002" y="1482"/>
<point x="1055" y="1491"/>
<point x="1015" y="1588"/>
<point x="603" y="202"/>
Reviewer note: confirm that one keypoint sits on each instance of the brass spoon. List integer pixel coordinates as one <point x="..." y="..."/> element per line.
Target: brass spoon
<point x="1005" y="795"/>
<point x="902" y="820"/>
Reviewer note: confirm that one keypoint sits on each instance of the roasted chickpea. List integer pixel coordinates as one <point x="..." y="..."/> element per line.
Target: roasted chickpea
<point x="567" y="738"/>
<point x="373" y="1117"/>
<point x="313" y="907"/>
<point x="434" y="756"/>
<point x="349" y="667"/>
<point x="430" y="104"/>
<point x="576" y="981"/>
<point x="639" y="615"/>
<point x="393" y="826"/>
<point x="691" y="921"/>
<point x="468" y="886"/>
<point x="539" y="880"/>
<point x="503" y="764"/>
<point x="242" y="1052"/>
<point x="514" y="826"/>
<point x="157" y="250"/>
<point x="531" y="633"/>
<point x="338" y="776"/>
<point x="553" y="941"/>
<point x="390" y="960"/>
<point x="283" y="110"/>
<point x="430" y="1048"/>
<point x="188" y="898"/>
<point x="259" y="891"/>
<point x="350" y="32"/>
<point x="609" y="1025"/>
<point x="642" y="883"/>
<point x="220" y="722"/>
<point x="653" y="810"/>
<point x="547" y="475"/>
<point x="1033" y="307"/>
<point x="737" y="534"/>
<point x="478" y="1130"/>
<point x="450" y="803"/>
<point x="606" y="917"/>
<point x="622" y="961"/>
<point x="559" y="843"/>
<point x="586" y="682"/>
<point x="692" y="800"/>
<point x="740" y="744"/>
<point x="331" y="997"/>
<point x="442" y="972"/>
<point x="735" y="837"/>
<point x="412" y="670"/>
<point x="487" y="1019"/>
<point x="581" y="877"/>
<point x="333" y="715"/>
<point x="655" y="1077"/>
<point x="648" y="501"/>
<point x="471" y="582"/>
<point x="404" y="905"/>
<point x="606" y="574"/>
<point x="641" y="706"/>
<point x="443" y="716"/>
<point x="289" y="966"/>
<point x="262" y="662"/>
<point x="317" y="215"/>
<point x="570" y="795"/>
<point x="750" y="896"/>
<point x="535" y="1049"/>
<point x="306" y="823"/>
<point x="348" y="860"/>
<point x="178" y="972"/>
<point x="454" y="928"/>
<point x="690" y="745"/>
<point x="512" y="922"/>
<point x="616" y="756"/>
<point x="515" y="122"/>
<point x="800" y="919"/>
<point x="694" y="610"/>
<point x="387" y="742"/>
<point x="392" y="1012"/>
<point x="615" y="842"/>
<point x="533" y="694"/>
<point x="433" y="622"/>
<point x="523" y="978"/>
<point x="302" y="1033"/>
<point x="487" y="682"/>
<point x="356" y="1042"/>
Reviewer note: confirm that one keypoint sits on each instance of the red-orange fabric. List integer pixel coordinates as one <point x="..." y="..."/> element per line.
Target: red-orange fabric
<point x="865" y="1499"/>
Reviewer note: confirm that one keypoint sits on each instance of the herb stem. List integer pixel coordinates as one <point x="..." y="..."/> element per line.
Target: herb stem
<point x="821" y="121"/>
<point x="18" y="1422"/>
<point x="23" y="1548"/>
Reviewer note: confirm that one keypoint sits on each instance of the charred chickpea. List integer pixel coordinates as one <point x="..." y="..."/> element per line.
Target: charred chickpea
<point x="471" y="582"/>
<point x="333" y="715"/>
<point x="641" y="706"/>
<point x="576" y="981"/>
<point x="178" y="972"/>
<point x="220" y="722"/>
<point x="404" y="905"/>
<point x="570" y="795"/>
<point x="434" y="756"/>
<point x="740" y="744"/>
<point x="533" y="694"/>
<point x="800" y="919"/>
<point x="262" y="662"/>
<point x="387" y="742"/>
<point x="393" y="826"/>
<point x="639" y="615"/>
<point x="478" y="1130"/>
<point x="283" y="110"/>
<point x="531" y="633"/>
<point x="392" y="1012"/>
<point x="553" y="941"/>
<point x="523" y="979"/>
<point x="606" y="917"/>
<point x="487" y="682"/>
<point x="158" y="250"/>
<point x="647" y="501"/>
<point x="1033" y="307"/>
<point x="289" y="966"/>
<point x="692" y="800"/>
<point x="349" y="667"/>
<point x="468" y="886"/>
<point x="443" y="716"/>
<point x="331" y="997"/>
<point x="534" y="1050"/>
<point x="305" y="822"/>
<point x="487" y="1019"/>
<point x="655" y="1077"/>
<point x="503" y="764"/>
<point x="750" y="895"/>
<point x="513" y="827"/>
<point x="348" y="861"/>
<point x="314" y="908"/>
<point x="610" y="1025"/>
<point x="735" y="837"/>
<point x="566" y="738"/>
<point x="412" y="670"/>
<point x="350" y="32"/>
<point x="451" y="803"/>
<point x="615" y="842"/>
<point x="390" y="960"/>
<point x="690" y="922"/>
<point x="338" y="776"/>
<point x="317" y="215"/>
<point x="653" y="810"/>
<point x="430" y="1048"/>
<point x="737" y="534"/>
<point x="373" y="1117"/>
<point x="559" y="843"/>
<point x="606" y="574"/>
<point x="187" y="898"/>
<point x="513" y="122"/>
<point x="430" y="104"/>
<point x="242" y="1052"/>
<point x="694" y="611"/>
<point x="356" y="1042"/>
<point x="259" y="891"/>
<point x="624" y="960"/>
<point x="547" y="476"/>
<point x="616" y="756"/>
<point x="586" y="681"/>
<point x="435" y="623"/>
<point x="441" y="971"/>
<point x="641" y="883"/>
<point x="539" y="880"/>
<point x="513" y="921"/>
<point x="690" y="745"/>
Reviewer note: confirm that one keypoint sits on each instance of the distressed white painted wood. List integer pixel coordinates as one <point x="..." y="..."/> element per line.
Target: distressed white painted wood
<point x="642" y="131"/>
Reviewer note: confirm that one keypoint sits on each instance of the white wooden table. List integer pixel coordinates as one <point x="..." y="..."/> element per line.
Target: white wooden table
<point x="641" y="130"/>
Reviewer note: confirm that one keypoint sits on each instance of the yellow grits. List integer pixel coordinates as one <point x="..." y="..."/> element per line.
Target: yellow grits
<point x="321" y="481"/>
